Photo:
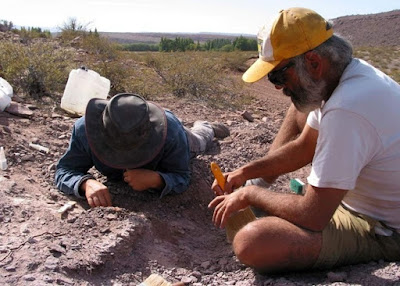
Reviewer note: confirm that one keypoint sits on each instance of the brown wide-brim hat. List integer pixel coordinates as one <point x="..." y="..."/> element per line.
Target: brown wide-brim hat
<point x="125" y="132"/>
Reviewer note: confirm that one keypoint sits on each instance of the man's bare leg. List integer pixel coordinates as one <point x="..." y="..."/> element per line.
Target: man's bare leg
<point x="271" y="244"/>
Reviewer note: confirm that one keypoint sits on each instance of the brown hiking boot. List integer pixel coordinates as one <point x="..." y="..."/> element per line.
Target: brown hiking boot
<point x="220" y="130"/>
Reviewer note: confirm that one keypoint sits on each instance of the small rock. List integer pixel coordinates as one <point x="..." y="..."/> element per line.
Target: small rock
<point x="246" y="115"/>
<point x="29" y="277"/>
<point x="111" y="216"/>
<point x="57" y="248"/>
<point x="188" y="279"/>
<point x="196" y="274"/>
<point x="10" y="268"/>
<point x="55" y="115"/>
<point x="51" y="263"/>
<point x="32" y="240"/>
<point x="48" y="279"/>
<point x="64" y="280"/>
<point x="24" y="228"/>
<point x="6" y="129"/>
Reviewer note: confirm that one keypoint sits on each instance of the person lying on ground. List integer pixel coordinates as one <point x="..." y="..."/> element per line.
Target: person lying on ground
<point x="344" y="119"/>
<point x="135" y="140"/>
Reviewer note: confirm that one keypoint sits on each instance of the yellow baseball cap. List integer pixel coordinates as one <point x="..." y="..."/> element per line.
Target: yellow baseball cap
<point x="294" y="32"/>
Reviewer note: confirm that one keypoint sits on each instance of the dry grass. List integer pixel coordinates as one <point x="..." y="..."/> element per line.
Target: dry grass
<point x="387" y="59"/>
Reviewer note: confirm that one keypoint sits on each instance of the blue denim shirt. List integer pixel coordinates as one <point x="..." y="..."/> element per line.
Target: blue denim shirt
<point x="172" y="163"/>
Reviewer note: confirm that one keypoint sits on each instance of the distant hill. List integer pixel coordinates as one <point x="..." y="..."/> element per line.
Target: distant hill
<point x="381" y="29"/>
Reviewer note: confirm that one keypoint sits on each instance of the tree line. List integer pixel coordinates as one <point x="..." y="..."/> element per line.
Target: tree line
<point x="186" y="44"/>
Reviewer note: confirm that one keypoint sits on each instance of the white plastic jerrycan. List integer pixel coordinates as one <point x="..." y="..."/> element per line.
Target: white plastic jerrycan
<point x="6" y="88"/>
<point x="82" y="85"/>
<point x="6" y="93"/>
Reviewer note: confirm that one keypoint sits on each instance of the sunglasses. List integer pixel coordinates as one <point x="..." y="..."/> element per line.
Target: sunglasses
<point x="278" y="77"/>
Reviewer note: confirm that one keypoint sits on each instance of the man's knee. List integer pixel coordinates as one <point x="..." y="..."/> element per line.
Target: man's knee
<point x="271" y="244"/>
<point x="251" y="244"/>
<point x="243" y="244"/>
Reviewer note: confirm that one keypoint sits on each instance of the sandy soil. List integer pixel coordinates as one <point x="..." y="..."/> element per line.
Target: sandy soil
<point x="141" y="234"/>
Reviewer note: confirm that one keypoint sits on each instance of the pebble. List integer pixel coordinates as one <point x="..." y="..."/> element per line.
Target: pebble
<point x="111" y="216"/>
<point x="51" y="263"/>
<point x="55" y="248"/>
<point x="24" y="228"/>
<point x="48" y="279"/>
<point x="63" y="281"/>
<point x="29" y="277"/>
<point x="188" y="279"/>
<point x="10" y="268"/>
<point x="246" y="115"/>
<point x="196" y="274"/>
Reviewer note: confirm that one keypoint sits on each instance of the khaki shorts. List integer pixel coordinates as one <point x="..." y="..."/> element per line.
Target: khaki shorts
<point x="350" y="238"/>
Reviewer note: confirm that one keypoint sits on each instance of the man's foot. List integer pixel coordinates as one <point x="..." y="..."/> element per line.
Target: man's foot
<point x="220" y="130"/>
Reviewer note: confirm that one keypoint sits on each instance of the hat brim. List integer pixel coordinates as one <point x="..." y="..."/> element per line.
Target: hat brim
<point x="128" y="158"/>
<point x="258" y="70"/>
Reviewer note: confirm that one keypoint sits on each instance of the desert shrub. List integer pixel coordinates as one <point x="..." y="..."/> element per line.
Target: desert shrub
<point x="108" y="60"/>
<point x="383" y="58"/>
<point x="72" y="29"/>
<point x="37" y="69"/>
<point x="395" y="74"/>
<point x="185" y="73"/>
<point x="200" y="75"/>
<point x="102" y="48"/>
<point x="227" y="48"/>
<point x="28" y="34"/>
<point x="236" y="61"/>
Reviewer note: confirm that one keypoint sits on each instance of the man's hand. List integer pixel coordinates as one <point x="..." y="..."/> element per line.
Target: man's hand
<point x="143" y="179"/>
<point x="226" y="205"/>
<point x="233" y="180"/>
<point x="96" y="193"/>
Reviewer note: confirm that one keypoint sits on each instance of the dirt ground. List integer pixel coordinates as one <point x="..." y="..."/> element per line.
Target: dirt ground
<point x="142" y="234"/>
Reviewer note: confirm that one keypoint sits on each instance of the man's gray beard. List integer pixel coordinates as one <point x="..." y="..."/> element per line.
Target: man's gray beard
<point x="309" y="94"/>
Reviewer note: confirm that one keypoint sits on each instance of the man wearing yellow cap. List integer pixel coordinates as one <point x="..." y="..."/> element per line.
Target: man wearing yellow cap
<point x="345" y="120"/>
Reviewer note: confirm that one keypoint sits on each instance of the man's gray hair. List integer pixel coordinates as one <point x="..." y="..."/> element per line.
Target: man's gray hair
<point x="337" y="50"/>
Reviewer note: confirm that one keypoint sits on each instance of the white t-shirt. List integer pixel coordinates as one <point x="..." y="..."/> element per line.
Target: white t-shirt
<point x="358" y="147"/>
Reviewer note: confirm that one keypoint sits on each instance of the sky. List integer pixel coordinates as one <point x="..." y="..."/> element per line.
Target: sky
<point x="185" y="16"/>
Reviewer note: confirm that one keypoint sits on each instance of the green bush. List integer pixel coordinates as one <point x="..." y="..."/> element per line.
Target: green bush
<point x="200" y="75"/>
<point x="37" y="69"/>
<point x="72" y="29"/>
<point x="28" y="34"/>
<point x="384" y="58"/>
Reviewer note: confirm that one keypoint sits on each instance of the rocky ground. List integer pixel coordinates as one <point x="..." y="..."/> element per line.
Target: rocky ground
<point x="142" y="234"/>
